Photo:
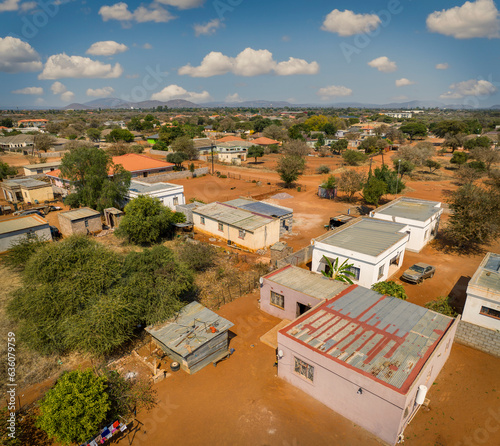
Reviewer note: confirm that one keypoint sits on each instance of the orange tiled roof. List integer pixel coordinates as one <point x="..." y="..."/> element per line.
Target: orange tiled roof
<point x="230" y="138"/>
<point x="265" y="141"/>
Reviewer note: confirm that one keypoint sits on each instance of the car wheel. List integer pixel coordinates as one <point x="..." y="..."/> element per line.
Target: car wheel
<point x="175" y="366"/>
<point x="432" y="275"/>
<point x="420" y="281"/>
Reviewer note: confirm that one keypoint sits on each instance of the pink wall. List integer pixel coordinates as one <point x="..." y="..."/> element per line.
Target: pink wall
<point x="291" y="299"/>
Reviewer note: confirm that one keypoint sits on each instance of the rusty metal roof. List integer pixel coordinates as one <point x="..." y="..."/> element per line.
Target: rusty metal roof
<point x="385" y="338"/>
<point x="77" y="214"/>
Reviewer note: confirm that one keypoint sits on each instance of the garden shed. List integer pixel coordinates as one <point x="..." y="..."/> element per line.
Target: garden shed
<point x="194" y="338"/>
<point x="80" y="221"/>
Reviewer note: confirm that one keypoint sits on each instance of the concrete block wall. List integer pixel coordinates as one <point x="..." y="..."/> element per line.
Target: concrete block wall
<point x="297" y="258"/>
<point x="173" y="175"/>
<point x="479" y="338"/>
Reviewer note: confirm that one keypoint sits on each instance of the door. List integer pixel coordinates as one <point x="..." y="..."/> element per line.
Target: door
<point x="302" y="308"/>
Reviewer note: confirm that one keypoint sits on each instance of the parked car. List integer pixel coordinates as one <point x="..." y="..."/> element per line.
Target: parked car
<point x="418" y="272"/>
<point x="28" y="212"/>
<point x="55" y="232"/>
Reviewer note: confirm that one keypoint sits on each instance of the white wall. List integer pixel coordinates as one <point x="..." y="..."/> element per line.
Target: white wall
<point x="369" y="266"/>
<point x="7" y="240"/>
<point x="166" y="196"/>
<point x="475" y="300"/>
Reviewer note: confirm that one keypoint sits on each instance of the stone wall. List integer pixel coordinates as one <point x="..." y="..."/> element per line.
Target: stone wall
<point x="162" y="177"/>
<point x="479" y="338"/>
<point x="300" y="257"/>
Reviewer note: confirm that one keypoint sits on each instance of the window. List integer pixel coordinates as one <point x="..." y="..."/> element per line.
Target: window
<point x="304" y="369"/>
<point x="380" y="272"/>
<point x="176" y="201"/>
<point x="86" y="223"/>
<point x="241" y="233"/>
<point x="426" y="234"/>
<point x="355" y="271"/>
<point x="486" y="311"/>
<point x="221" y="227"/>
<point x="277" y="300"/>
<point x="202" y="220"/>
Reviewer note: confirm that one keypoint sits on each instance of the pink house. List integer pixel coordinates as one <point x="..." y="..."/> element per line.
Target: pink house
<point x="369" y="357"/>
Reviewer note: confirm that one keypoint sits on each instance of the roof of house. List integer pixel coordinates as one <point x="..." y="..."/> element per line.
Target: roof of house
<point x="190" y="329"/>
<point x="229" y="144"/>
<point x="20" y="223"/>
<point x="260" y="207"/>
<point x="307" y="282"/>
<point x="365" y="235"/>
<point x="202" y="143"/>
<point x="229" y="138"/>
<point x="145" y="188"/>
<point x="28" y="183"/>
<point x="233" y="216"/>
<point x="411" y="208"/>
<point x="488" y="273"/>
<point x="17" y="139"/>
<point x="384" y="338"/>
<point x="263" y="141"/>
<point x="77" y="214"/>
<point x="42" y="165"/>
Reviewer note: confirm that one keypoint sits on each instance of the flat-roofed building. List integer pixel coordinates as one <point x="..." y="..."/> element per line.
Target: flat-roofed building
<point x="237" y="226"/>
<point x="37" y="169"/>
<point x="80" y="221"/>
<point x="421" y="216"/>
<point x="16" y="229"/>
<point x="169" y="194"/>
<point x="26" y="190"/>
<point x="374" y="247"/>
<point x="232" y="152"/>
<point x="482" y="306"/>
<point x="368" y="357"/>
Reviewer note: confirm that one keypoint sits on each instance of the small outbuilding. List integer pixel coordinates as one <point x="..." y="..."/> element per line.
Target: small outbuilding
<point x="112" y="217"/>
<point x="80" y="221"/>
<point x="15" y="229"/>
<point x="169" y="194"/>
<point x="38" y="169"/>
<point x="421" y="216"/>
<point x="194" y="338"/>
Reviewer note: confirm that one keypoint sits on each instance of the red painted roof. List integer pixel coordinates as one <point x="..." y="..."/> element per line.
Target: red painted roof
<point x="264" y="141"/>
<point x="230" y="138"/>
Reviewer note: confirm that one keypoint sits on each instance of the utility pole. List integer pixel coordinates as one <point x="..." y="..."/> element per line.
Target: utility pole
<point x="212" y="152"/>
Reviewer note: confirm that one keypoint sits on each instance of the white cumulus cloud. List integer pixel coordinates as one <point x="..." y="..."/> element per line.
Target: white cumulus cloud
<point x="473" y="19"/>
<point x="471" y="87"/>
<point x="383" y="64"/>
<point x="442" y="66"/>
<point x="9" y="5"/>
<point x="17" y="56"/>
<point x="177" y="92"/>
<point x="235" y="97"/>
<point x="347" y="23"/>
<point x="182" y="4"/>
<point x="403" y="82"/>
<point x="333" y="91"/>
<point x="63" y="66"/>
<point x="29" y="90"/>
<point x="58" y="88"/>
<point x="100" y="92"/>
<point x="28" y="6"/>
<point x="106" y="48"/>
<point x="67" y="96"/>
<point x="208" y="28"/>
<point x="120" y="12"/>
<point x="249" y="62"/>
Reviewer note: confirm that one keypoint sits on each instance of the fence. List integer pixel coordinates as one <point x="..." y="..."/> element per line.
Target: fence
<point x="300" y="257"/>
<point x="174" y="175"/>
<point x="477" y="337"/>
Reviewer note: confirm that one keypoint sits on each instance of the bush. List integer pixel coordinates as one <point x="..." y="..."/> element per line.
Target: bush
<point x="459" y="158"/>
<point x="197" y="256"/>
<point x="323" y="169"/>
<point x="20" y="252"/>
<point x="477" y="165"/>
<point x="354" y="157"/>
<point x="442" y="305"/>
<point x="390" y="288"/>
<point x="373" y="190"/>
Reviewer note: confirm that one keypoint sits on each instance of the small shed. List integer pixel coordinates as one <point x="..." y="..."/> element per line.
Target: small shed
<point x="112" y="217"/>
<point x="13" y="230"/>
<point x="80" y="221"/>
<point x="279" y="251"/>
<point x="194" y="338"/>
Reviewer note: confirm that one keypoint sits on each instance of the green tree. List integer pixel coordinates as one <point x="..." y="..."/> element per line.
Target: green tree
<point x="185" y="145"/>
<point x="323" y="169"/>
<point x="373" y="190"/>
<point x="351" y="182"/>
<point x="480" y="141"/>
<point x="390" y="178"/>
<point x="255" y="152"/>
<point x="74" y="409"/>
<point x="290" y="168"/>
<point x="320" y="142"/>
<point x="177" y="158"/>
<point x="414" y="129"/>
<point x="442" y="305"/>
<point x="96" y="181"/>
<point x="454" y="141"/>
<point x="417" y="154"/>
<point x="488" y="155"/>
<point x="120" y="135"/>
<point x="451" y="127"/>
<point x="147" y="220"/>
<point x="341" y="272"/>
<point x="390" y="288"/>
<point x="160" y="145"/>
<point x="296" y="148"/>
<point x="339" y="146"/>
<point x="43" y="142"/>
<point x="432" y="165"/>
<point x="459" y="158"/>
<point x="354" y="157"/>
<point x="94" y="134"/>
<point x="329" y="129"/>
<point x="373" y="144"/>
<point x="403" y="167"/>
<point x="6" y="170"/>
<point x="6" y="122"/>
<point x="295" y="132"/>
<point x="330" y="183"/>
<point x="169" y="134"/>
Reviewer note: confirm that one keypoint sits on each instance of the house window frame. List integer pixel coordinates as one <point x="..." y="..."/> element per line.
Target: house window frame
<point x="175" y="201"/>
<point x="303" y="369"/>
<point x="241" y="234"/>
<point x="202" y="220"/>
<point x="221" y="227"/>
<point x="489" y="311"/>
<point x="276" y="298"/>
<point x="381" y="271"/>
<point x="356" y="271"/>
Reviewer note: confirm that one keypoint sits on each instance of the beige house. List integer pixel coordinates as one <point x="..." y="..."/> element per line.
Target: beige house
<point x="240" y="227"/>
<point x="80" y="221"/>
<point x="27" y="190"/>
<point x="232" y="152"/>
<point x="38" y="169"/>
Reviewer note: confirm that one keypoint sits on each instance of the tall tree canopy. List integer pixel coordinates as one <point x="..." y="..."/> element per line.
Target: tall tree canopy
<point x="97" y="181"/>
<point x="414" y="129"/>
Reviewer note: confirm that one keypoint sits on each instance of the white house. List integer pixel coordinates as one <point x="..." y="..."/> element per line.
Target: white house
<point x="240" y="227"/>
<point x="374" y="247"/>
<point x="482" y="306"/>
<point x="421" y="216"/>
<point x="169" y="194"/>
<point x="13" y="230"/>
<point x="233" y="152"/>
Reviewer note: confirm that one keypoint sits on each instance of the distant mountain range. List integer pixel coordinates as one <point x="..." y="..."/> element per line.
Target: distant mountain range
<point x="115" y="103"/>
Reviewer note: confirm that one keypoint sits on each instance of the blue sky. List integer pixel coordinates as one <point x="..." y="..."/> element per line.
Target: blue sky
<point x="55" y="52"/>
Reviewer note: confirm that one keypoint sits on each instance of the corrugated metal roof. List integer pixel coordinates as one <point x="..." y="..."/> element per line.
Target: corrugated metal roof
<point x="25" y="182"/>
<point x="21" y="223"/>
<point x="233" y="216"/>
<point x="190" y="329"/>
<point x="366" y="235"/>
<point x="238" y="202"/>
<point x="141" y="188"/>
<point x="266" y="209"/>
<point x="41" y="165"/>
<point x="488" y="273"/>
<point x="412" y="208"/>
<point x="383" y="337"/>
<point x="307" y="282"/>
<point x="77" y="214"/>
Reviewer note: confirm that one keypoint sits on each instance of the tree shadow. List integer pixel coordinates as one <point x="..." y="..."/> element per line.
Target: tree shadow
<point x="447" y="245"/>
